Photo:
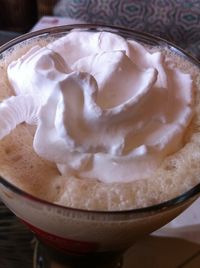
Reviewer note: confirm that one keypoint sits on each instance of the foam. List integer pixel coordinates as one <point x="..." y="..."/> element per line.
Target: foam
<point x="20" y="165"/>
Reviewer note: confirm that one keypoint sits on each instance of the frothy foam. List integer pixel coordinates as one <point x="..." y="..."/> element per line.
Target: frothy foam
<point x="100" y="113"/>
<point x="71" y="191"/>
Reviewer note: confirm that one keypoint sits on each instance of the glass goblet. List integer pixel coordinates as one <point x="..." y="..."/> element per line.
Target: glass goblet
<point x="83" y="238"/>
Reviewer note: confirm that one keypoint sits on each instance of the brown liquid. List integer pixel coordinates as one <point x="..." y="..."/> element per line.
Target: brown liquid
<point x="20" y="165"/>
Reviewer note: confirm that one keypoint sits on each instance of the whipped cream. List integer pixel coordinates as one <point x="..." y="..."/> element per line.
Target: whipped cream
<point x="105" y="108"/>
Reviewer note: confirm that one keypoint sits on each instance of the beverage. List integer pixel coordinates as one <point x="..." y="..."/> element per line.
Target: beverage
<point x="122" y="193"/>
<point x="99" y="216"/>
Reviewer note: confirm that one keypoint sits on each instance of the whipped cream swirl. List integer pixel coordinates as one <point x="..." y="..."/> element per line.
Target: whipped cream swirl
<point x="105" y="108"/>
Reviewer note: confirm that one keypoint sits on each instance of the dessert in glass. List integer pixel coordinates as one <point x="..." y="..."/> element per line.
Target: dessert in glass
<point x="100" y="138"/>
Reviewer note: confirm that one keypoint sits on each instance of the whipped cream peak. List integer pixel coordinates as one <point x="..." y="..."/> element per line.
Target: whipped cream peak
<point x="35" y="70"/>
<point x="97" y="42"/>
<point x="118" y="72"/>
<point x="105" y="107"/>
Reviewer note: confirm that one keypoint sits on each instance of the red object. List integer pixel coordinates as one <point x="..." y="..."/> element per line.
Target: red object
<point x="63" y="244"/>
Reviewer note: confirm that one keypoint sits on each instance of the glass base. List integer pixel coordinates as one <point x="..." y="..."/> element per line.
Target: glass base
<point x="45" y="257"/>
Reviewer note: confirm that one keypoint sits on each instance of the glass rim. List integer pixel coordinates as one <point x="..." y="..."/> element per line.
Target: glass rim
<point x="99" y="27"/>
<point x="177" y="200"/>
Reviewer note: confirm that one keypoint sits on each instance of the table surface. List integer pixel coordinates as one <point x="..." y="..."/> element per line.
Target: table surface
<point x="17" y="243"/>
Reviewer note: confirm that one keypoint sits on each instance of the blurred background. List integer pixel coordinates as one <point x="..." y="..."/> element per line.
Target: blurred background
<point x="21" y="15"/>
<point x="175" y="20"/>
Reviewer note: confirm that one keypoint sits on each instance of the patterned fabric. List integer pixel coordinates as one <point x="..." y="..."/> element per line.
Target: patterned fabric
<point x="175" y="20"/>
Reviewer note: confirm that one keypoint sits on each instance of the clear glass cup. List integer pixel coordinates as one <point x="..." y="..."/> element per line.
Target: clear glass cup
<point x="82" y="238"/>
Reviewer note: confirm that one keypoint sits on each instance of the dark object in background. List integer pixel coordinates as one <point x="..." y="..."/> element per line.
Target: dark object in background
<point x="45" y="7"/>
<point x="7" y="36"/>
<point x="16" y="242"/>
<point x="18" y="15"/>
